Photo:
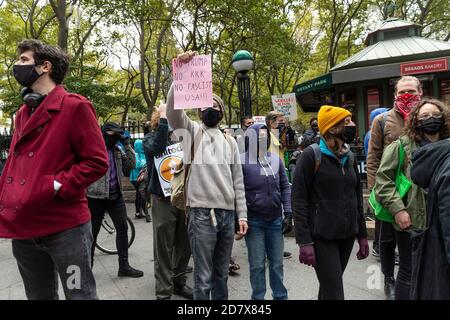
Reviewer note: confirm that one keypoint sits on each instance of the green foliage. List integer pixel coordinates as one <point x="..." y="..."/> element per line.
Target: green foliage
<point x="121" y="50"/>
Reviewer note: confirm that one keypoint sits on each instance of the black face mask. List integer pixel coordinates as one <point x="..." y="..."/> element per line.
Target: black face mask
<point x="281" y="126"/>
<point x="26" y="75"/>
<point x="348" y="134"/>
<point x="431" y="125"/>
<point x="111" y="140"/>
<point x="211" y="117"/>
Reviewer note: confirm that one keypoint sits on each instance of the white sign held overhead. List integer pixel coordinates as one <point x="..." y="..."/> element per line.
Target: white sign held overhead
<point x="287" y="104"/>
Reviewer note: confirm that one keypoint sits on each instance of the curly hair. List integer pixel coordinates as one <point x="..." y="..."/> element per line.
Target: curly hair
<point x="154" y="120"/>
<point x="43" y="52"/>
<point x="412" y="129"/>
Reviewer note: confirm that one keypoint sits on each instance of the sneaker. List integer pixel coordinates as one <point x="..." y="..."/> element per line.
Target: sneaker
<point x="184" y="291"/>
<point x="139" y="215"/>
<point x="233" y="268"/>
<point x="148" y="218"/>
<point x="376" y="252"/>
<point x="287" y="255"/>
<point x="130" y="272"/>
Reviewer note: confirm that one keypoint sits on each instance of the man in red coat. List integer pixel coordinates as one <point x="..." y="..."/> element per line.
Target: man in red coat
<point x="56" y="152"/>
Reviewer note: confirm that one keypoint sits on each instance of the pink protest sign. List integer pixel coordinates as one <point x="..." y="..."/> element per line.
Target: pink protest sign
<point x="192" y="83"/>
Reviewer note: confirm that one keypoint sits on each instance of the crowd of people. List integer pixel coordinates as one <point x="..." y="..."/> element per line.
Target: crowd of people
<point x="64" y="172"/>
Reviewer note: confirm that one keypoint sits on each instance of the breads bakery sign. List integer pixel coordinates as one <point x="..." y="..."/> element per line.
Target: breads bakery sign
<point x="424" y="66"/>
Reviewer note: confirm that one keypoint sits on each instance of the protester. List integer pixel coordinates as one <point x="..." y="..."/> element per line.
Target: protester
<point x="57" y="150"/>
<point x="275" y="122"/>
<point x="268" y="196"/>
<point x="228" y="131"/>
<point x="373" y="114"/>
<point x="311" y="135"/>
<point x="171" y="248"/>
<point x="386" y="128"/>
<point x="140" y="202"/>
<point x="431" y="248"/>
<point x="327" y="203"/>
<point x="424" y="126"/>
<point x="288" y="139"/>
<point x="106" y="194"/>
<point x="215" y="193"/>
<point x="246" y="122"/>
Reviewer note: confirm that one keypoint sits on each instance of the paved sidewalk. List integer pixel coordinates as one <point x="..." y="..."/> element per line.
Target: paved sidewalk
<point x="300" y="280"/>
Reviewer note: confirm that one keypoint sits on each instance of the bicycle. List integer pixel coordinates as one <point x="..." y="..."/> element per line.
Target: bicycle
<point x="106" y="239"/>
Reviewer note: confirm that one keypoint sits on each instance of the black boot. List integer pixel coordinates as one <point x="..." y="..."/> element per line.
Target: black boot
<point x="125" y="270"/>
<point x="184" y="291"/>
<point x="389" y="288"/>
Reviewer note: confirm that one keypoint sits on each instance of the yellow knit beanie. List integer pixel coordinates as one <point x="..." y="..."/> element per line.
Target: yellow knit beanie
<point x="330" y="116"/>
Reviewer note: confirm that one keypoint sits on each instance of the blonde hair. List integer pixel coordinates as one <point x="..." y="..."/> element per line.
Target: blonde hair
<point x="272" y="116"/>
<point x="409" y="78"/>
<point x="154" y="120"/>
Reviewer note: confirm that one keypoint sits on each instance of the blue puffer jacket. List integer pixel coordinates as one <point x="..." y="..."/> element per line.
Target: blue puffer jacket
<point x="267" y="189"/>
<point x="140" y="160"/>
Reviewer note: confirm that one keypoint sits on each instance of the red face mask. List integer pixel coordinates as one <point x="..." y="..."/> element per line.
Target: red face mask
<point x="405" y="103"/>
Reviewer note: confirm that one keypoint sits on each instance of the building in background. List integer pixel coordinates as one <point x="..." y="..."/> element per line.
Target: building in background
<point x="366" y="80"/>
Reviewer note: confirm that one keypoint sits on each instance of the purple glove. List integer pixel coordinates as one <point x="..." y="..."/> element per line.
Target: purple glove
<point x="307" y="255"/>
<point x="363" y="249"/>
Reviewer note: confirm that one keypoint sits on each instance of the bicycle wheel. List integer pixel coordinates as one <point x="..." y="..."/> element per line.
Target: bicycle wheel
<point x="106" y="239"/>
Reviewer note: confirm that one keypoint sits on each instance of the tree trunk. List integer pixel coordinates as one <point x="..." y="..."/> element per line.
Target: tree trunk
<point x="63" y="26"/>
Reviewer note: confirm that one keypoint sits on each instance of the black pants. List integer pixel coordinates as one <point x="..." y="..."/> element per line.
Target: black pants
<point x="387" y="248"/>
<point x="403" y="282"/>
<point x="140" y="201"/>
<point x="376" y="240"/>
<point x="118" y="213"/>
<point x="331" y="260"/>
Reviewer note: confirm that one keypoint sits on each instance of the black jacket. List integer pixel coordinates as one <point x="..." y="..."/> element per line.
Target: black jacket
<point x="326" y="204"/>
<point x="155" y="143"/>
<point x="431" y="247"/>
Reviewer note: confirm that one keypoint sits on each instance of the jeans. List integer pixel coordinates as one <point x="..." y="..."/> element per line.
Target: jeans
<point x="67" y="253"/>
<point x="387" y="248"/>
<point x="265" y="239"/>
<point x="403" y="282"/>
<point x="211" y="247"/>
<point x="171" y="248"/>
<point x="331" y="260"/>
<point x="118" y="213"/>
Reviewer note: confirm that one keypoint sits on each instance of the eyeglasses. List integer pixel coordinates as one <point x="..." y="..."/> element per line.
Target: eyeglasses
<point x="428" y="116"/>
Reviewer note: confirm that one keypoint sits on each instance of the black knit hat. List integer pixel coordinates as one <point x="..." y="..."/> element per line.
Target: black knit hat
<point x="112" y="126"/>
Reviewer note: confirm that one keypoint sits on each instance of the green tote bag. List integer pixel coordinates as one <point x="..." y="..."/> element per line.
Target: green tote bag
<point x="401" y="182"/>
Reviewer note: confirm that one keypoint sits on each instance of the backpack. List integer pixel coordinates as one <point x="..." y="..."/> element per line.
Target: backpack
<point x="318" y="157"/>
<point x="383" y="124"/>
<point x="142" y="175"/>
<point x="178" y="183"/>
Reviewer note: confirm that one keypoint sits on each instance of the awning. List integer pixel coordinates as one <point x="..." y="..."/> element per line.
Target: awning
<point x="322" y="82"/>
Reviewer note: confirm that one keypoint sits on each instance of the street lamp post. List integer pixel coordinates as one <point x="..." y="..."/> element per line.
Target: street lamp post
<point x="242" y="63"/>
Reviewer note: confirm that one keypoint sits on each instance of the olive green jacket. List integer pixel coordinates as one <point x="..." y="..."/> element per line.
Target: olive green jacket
<point x="386" y="191"/>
